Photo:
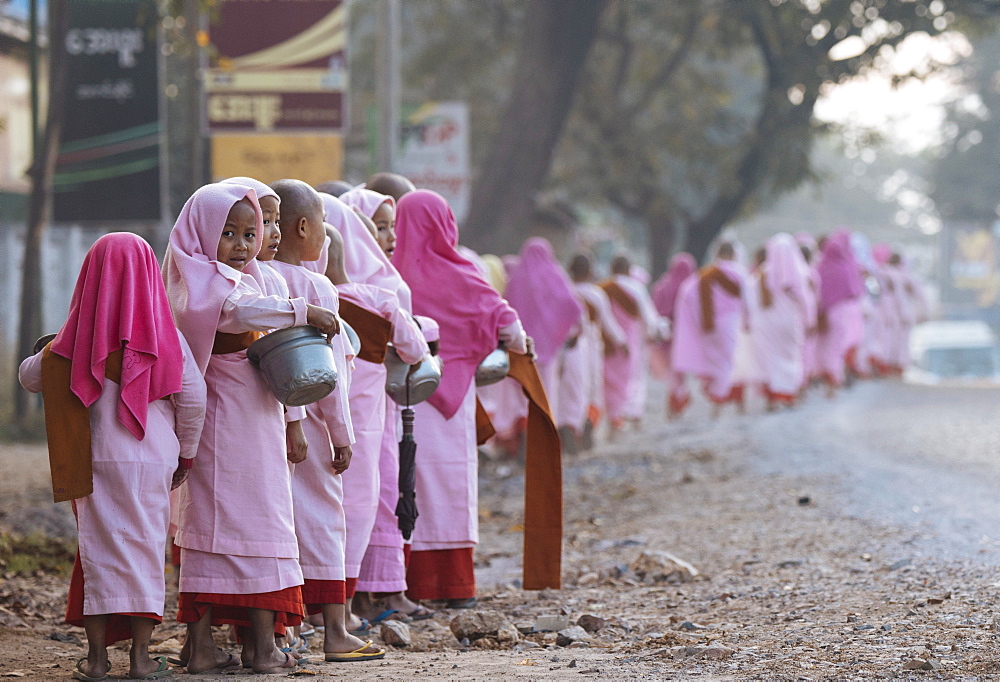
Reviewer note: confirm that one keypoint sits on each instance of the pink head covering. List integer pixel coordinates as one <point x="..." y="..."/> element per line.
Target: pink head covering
<point x="119" y="299"/>
<point x="262" y="190"/>
<point x="682" y="266"/>
<point x="785" y="265"/>
<point x="364" y="259"/>
<point x="639" y="274"/>
<point x="882" y="253"/>
<point x="450" y="290"/>
<point x="544" y="298"/>
<point x="197" y="284"/>
<point x="365" y="200"/>
<point x="840" y="278"/>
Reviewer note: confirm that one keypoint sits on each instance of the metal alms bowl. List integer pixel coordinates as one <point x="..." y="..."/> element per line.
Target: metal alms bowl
<point x="297" y="364"/>
<point x="423" y="378"/>
<point x="493" y="368"/>
<point x="353" y="340"/>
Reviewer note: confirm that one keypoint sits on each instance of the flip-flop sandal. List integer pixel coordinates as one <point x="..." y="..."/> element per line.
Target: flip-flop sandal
<point x="302" y="660"/>
<point x="158" y="674"/>
<point x="290" y="662"/>
<point x="387" y="615"/>
<point x="363" y="630"/>
<point x="420" y="613"/>
<point x="174" y="660"/>
<point x="461" y="603"/>
<point x="78" y="674"/>
<point x="357" y="655"/>
<point x="233" y="662"/>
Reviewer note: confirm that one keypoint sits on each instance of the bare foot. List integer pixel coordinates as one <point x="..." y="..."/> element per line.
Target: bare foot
<point x="273" y="661"/>
<point x="354" y="622"/>
<point x="406" y="606"/>
<point x="342" y="643"/>
<point x="216" y="660"/>
<point x="144" y="666"/>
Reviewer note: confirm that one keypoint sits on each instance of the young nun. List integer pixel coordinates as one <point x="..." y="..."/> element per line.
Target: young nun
<point x="473" y="319"/>
<point x="365" y="278"/>
<point x="682" y="265"/>
<point x="381" y="208"/>
<point x="625" y="374"/>
<point x="125" y="404"/>
<point x="548" y="307"/>
<point x="239" y="559"/>
<point x="710" y="311"/>
<point x="839" y="308"/>
<point x="581" y="391"/>
<point x="318" y="484"/>
<point x="780" y="324"/>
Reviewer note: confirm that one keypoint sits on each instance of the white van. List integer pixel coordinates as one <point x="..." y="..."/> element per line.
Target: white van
<point x="949" y="350"/>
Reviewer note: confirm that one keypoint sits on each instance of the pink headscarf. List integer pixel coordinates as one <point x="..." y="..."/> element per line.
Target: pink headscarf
<point x="197" y="284"/>
<point x="365" y="200"/>
<point x="119" y="299"/>
<point x="785" y="266"/>
<point x="840" y="278"/>
<point x="882" y="253"/>
<point x="682" y="266"/>
<point x="262" y="189"/>
<point x="544" y="298"/>
<point x="364" y="259"/>
<point x="448" y="289"/>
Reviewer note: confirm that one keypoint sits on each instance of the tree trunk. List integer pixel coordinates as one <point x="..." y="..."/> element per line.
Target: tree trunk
<point x="40" y="202"/>
<point x="558" y="36"/>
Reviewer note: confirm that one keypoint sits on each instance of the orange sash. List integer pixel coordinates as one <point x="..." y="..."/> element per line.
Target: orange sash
<point x="67" y="426"/>
<point x="712" y="275"/>
<point x="766" y="299"/>
<point x="618" y="295"/>
<point x="484" y="426"/>
<point x="374" y="331"/>
<point x="233" y="343"/>
<point x="543" y="519"/>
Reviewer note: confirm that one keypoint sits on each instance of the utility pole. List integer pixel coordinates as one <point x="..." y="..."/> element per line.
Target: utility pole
<point x="387" y="84"/>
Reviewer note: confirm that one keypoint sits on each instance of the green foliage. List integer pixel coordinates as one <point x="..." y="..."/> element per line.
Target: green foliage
<point x="29" y="554"/>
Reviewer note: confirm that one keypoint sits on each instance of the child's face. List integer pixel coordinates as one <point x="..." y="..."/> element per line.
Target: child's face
<point x="385" y="228"/>
<point x="272" y="229"/>
<point x="239" y="236"/>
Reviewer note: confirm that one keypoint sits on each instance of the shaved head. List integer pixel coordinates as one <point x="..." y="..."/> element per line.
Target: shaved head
<point x="334" y="187"/>
<point x="298" y="200"/>
<point x="621" y="265"/>
<point x="393" y="184"/>
<point x="581" y="269"/>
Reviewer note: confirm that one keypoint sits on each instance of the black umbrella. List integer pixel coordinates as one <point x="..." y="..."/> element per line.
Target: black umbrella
<point x="406" y="506"/>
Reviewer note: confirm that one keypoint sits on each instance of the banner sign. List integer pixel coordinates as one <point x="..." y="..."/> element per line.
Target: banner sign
<point x="434" y="152"/>
<point x="277" y="66"/>
<point x="109" y="157"/>
<point x="972" y="260"/>
<point x="310" y="158"/>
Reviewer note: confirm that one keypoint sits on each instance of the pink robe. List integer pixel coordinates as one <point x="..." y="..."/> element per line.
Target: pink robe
<point x="625" y="375"/>
<point x="582" y="381"/>
<point x="122" y="525"/>
<point x="230" y="546"/>
<point x="317" y="491"/>
<point x="369" y="410"/>
<point x="709" y="355"/>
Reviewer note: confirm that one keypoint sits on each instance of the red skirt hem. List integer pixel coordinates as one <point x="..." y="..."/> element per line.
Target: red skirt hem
<point x="119" y="627"/>
<point x="231" y="609"/>
<point x="441" y="574"/>
<point x="318" y="593"/>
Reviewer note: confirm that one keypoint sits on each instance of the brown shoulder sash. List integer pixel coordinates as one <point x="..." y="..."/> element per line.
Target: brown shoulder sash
<point x="233" y="343"/>
<point x="618" y="295"/>
<point x="711" y="275"/>
<point x="484" y="425"/>
<point x="766" y="299"/>
<point x="67" y="426"/>
<point x="374" y="330"/>
<point x="542" y="482"/>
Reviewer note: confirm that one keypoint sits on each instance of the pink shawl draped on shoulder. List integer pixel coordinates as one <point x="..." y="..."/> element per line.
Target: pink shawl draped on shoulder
<point x="197" y="284"/>
<point x="682" y="266"/>
<point x="544" y="298"/>
<point x="119" y="300"/>
<point x="448" y="289"/>
<point x="840" y="276"/>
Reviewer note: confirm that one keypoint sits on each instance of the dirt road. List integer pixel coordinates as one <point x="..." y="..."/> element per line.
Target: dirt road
<point x="853" y="538"/>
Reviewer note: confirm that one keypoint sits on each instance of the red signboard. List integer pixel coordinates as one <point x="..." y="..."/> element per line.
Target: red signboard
<point x="277" y="66"/>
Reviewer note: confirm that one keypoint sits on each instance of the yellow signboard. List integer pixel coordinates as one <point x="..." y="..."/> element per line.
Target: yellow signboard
<point x="310" y="158"/>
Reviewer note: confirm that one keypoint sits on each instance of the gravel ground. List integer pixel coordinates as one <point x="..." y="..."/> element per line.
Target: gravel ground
<point x="854" y="538"/>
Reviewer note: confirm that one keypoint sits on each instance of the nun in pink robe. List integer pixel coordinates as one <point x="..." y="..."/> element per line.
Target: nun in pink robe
<point x="839" y="307"/>
<point x="235" y="554"/>
<point x="545" y="301"/>
<point x="665" y="293"/>
<point x="375" y="286"/>
<point x="779" y="328"/>
<point x="144" y="434"/>
<point x="706" y="348"/>
<point x="472" y="319"/>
